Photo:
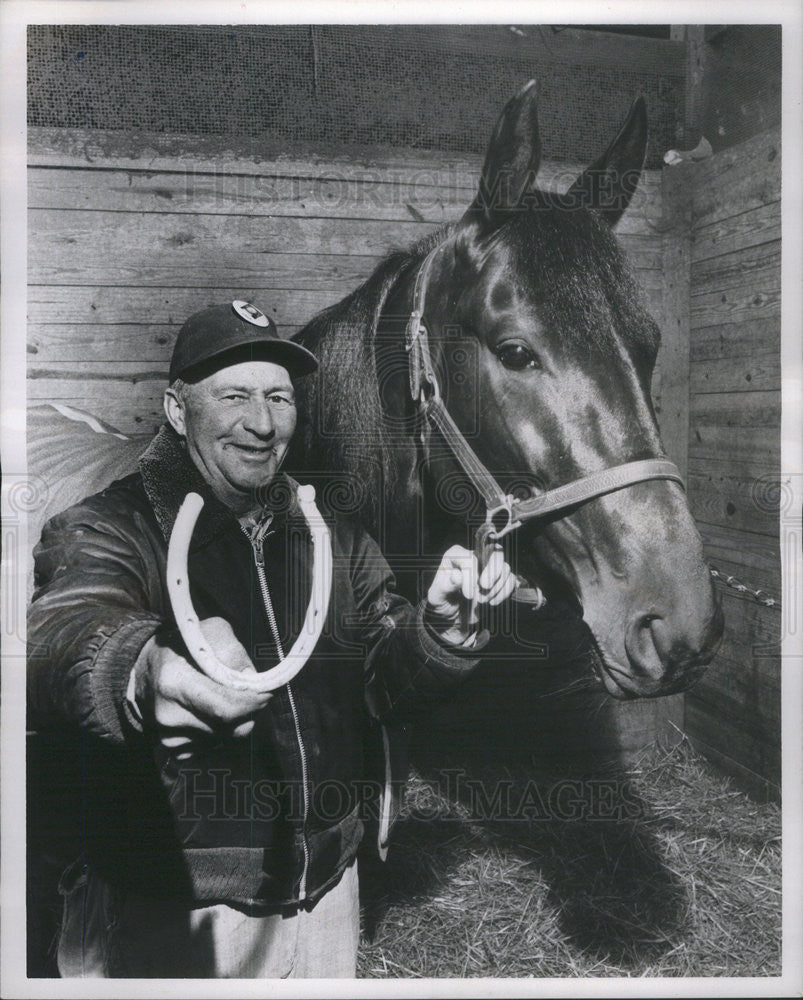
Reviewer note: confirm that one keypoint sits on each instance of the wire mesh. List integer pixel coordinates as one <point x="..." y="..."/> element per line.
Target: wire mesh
<point x="433" y="87"/>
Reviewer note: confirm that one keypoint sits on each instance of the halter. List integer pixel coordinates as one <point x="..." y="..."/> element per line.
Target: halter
<point x="504" y="513"/>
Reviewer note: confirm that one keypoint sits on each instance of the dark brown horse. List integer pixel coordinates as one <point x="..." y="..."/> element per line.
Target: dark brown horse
<point x="544" y="356"/>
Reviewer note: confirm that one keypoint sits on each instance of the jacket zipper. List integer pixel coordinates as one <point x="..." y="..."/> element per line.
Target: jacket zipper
<point x="259" y="560"/>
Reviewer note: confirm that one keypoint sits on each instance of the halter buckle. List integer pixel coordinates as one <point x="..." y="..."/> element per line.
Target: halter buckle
<point x="511" y="522"/>
<point x="421" y="369"/>
<point x="413" y="329"/>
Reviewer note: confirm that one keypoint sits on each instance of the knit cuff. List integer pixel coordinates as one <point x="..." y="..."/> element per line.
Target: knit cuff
<point x="438" y="649"/>
<point x="111" y="671"/>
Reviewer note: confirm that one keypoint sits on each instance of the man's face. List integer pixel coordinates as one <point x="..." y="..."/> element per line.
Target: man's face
<point x="237" y="424"/>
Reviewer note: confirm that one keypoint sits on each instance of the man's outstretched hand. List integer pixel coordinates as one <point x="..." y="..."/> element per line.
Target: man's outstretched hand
<point x="458" y="589"/>
<point x="178" y="702"/>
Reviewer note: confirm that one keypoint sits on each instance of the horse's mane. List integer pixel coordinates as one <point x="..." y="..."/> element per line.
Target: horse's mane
<point x="344" y="430"/>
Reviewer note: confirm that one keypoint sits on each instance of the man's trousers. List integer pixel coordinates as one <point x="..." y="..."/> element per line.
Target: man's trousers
<point x="110" y="935"/>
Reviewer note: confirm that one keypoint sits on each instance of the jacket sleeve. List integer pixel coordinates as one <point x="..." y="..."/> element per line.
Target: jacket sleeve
<point x="406" y="667"/>
<point x="91" y="614"/>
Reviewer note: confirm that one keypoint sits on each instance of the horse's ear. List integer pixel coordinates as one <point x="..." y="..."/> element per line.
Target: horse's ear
<point x="607" y="185"/>
<point x="511" y="162"/>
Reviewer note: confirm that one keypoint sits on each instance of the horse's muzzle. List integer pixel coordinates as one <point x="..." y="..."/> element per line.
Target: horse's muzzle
<point x="661" y="661"/>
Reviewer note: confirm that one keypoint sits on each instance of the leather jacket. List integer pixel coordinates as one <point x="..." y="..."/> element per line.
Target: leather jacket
<point x="272" y="818"/>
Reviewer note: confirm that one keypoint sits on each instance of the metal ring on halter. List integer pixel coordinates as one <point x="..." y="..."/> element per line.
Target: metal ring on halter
<point x="190" y="627"/>
<point x="512" y="522"/>
<point x="429" y="379"/>
<point x="487" y="535"/>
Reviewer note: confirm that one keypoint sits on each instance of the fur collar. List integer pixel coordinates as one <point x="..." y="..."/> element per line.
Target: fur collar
<point x="168" y="475"/>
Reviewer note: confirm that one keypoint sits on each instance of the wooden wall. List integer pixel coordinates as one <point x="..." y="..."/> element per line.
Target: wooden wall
<point x="734" y="444"/>
<point x="125" y="243"/>
<point x="129" y="237"/>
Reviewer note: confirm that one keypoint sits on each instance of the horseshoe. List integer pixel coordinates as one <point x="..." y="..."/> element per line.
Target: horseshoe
<point x="187" y="620"/>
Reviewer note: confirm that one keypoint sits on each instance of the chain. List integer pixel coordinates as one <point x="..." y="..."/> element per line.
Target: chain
<point x="758" y="595"/>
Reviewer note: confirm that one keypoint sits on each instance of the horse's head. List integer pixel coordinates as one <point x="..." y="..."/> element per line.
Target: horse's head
<point x="555" y="385"/>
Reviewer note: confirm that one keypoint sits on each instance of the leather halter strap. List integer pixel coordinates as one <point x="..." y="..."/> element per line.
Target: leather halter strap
<point x="425" y="390"/>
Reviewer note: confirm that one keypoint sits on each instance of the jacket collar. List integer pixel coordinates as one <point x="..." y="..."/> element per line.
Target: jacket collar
<point x="169" y="474"/>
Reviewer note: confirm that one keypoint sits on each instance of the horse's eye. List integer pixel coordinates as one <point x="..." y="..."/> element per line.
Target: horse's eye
<point x="517" y="356"/>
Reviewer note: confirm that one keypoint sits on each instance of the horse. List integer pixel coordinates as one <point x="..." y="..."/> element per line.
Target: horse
<point x="490" y="386"/>
<point x="508" y="359"/>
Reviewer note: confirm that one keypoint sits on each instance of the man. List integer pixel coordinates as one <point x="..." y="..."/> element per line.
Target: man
<point x="220" y="826"/>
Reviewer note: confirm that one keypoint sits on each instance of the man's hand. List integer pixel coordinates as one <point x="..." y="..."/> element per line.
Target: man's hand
<point x="179" y="702"/>
<point x="456" y="591"/>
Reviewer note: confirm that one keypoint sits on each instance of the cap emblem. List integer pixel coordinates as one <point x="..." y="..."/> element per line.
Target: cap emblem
<point x="250" y="313"/>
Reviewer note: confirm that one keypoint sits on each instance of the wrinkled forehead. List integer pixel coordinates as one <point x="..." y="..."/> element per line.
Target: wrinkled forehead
<point x="249" y="376"/>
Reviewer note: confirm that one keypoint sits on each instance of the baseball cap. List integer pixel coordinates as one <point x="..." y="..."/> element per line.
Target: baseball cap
<point x="237" y="327"/>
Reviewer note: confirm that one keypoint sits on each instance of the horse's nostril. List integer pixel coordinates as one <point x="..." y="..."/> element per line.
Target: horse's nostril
<point x="646" y="620"/>
<point x="641" y="648"/>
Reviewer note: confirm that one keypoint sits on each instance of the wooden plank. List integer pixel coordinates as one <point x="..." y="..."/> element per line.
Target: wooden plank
<point x="747" y="675"/>
<point x="50" y="343"/>
<point x="131" y="407"/>
<point x="336" y="272"/>
<point x="756" y="785"/>
<point x="751" y="748"/>
<point x="79" y="247"/>
<point x="76" y="240"/>
<point x="719" y="496"/>
<point x="651" y="283"/>
<point x="738" y="305"/>
<point x="640" y="723"/>
<point x="207" y="267"/>
<point x="644" y="253"/>
<point x="747" y="175"/>
<point x="737" y="340"/>
<point x="219" y="155"/>
<point x="112" y="322"/>
<point x="764" y="474"/>
<point x="760" y="372"/>
<point x="730" y="690"/>
<point x="743" y="425"/>
<point x="751" y="558"/>
<point x="755" y="747"/>
<point x="744" y="719"/>
<point x="79" y="371"/>
<point x="739" y="287"/>
<point x="738" y="409"/>
<point x="759" y="448"/>
<point x="737" y="232"/>
<point x="192" y="191"/>
<point x="163" y="306"/>
<point x="747" y="680"/>
<point x="752" y="635"/>
<point x="331" y="192"/>
<point x="673" y="315"/>
<point x="696" y="61"/>
<point x="158" y="152"/>
<point x="752" y="266"/>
